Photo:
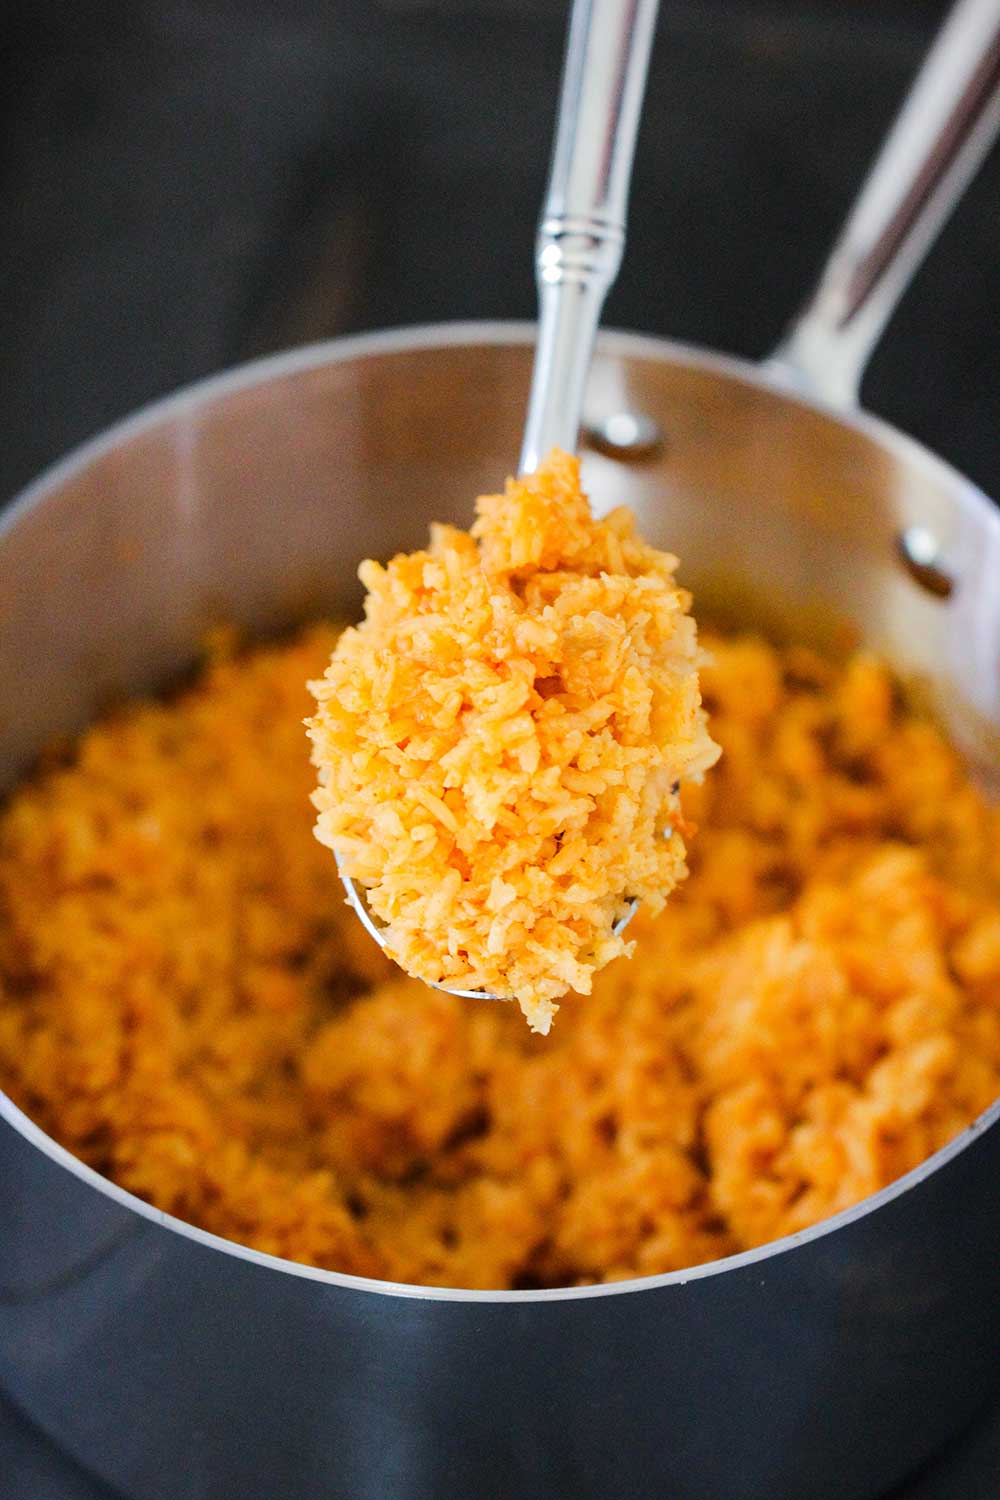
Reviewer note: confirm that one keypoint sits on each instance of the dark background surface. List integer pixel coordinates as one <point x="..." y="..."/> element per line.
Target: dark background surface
<point x="32" y="1469"/>
<point x="182" y="187"/>
<point x="186" y="185"/>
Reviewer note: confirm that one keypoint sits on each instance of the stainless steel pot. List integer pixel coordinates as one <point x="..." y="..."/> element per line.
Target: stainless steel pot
<point x="826" y="1365"/>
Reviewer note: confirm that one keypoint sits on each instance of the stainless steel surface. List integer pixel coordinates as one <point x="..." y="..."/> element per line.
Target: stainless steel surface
<point x="582" y="229"/>
<point x="948" y="123"/>
<point x="921" y="552"/>
<point x="626" y="435"/>
<point x="579" y="250"/>
<point x="826" y="1365"/>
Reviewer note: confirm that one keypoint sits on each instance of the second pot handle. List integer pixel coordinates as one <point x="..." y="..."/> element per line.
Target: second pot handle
<point x="939" y="139"/>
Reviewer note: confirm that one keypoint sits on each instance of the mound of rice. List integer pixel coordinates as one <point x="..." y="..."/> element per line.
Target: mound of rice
<point x="502" y="741"/>
<point x="186" y="1003"/>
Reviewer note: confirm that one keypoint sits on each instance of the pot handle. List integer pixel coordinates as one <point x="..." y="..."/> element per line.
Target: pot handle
<point x="939" y="139"/>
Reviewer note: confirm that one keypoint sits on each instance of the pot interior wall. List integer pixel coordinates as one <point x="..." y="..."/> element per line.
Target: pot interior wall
<point x="253" y="499"/>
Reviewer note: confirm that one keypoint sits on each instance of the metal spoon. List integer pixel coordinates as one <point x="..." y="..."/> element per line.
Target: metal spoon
<point x="581" y="236"/>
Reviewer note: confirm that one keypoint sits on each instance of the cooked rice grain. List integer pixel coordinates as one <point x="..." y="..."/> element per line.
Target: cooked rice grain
<point x="187" y="1004"/>
<point x="500" y="742"/>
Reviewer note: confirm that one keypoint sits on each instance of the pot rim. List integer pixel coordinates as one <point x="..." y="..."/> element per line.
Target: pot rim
<point x="451" y="335"/>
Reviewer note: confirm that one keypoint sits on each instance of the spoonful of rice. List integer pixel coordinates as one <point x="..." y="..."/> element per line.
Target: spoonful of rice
<point x="502" y="741"/>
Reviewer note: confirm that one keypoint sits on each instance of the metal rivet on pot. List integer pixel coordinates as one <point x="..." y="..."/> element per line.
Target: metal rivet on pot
<point x="625" y="435"/>
<point x="920" y="551"/>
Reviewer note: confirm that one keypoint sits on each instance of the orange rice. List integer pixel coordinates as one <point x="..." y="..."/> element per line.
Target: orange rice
<point x="502" y="741"/>
<point x="187" y="1004"/>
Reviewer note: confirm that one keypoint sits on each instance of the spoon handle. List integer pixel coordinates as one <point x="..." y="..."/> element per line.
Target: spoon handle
<point x="582" y="229"/>
<point x="944" y="130"/>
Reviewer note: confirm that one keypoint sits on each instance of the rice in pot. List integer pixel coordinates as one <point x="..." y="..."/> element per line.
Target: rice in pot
<point x="187" y="1004"/>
